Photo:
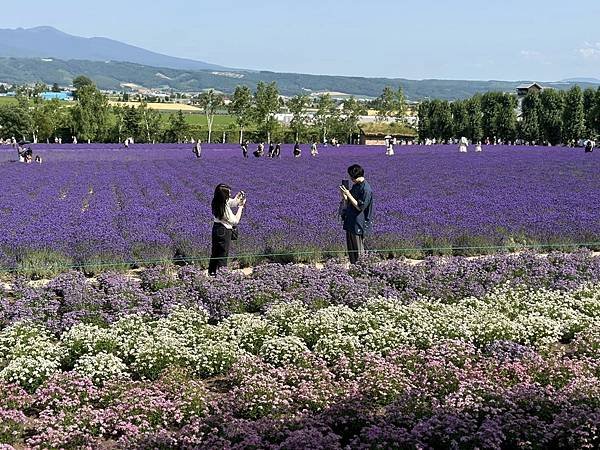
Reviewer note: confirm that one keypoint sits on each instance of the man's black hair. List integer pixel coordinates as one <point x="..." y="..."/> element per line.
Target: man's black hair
<point x="355" y="171"/>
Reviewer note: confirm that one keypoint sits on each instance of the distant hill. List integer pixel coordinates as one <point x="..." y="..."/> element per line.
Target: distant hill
<point x="113" y="75"/>
<point x="48" y="55"/>
<point x="43" y="42"/>
<point x="582" y="80"/>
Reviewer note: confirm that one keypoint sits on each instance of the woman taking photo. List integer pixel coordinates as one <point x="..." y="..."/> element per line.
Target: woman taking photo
<point x="224" y="225"/>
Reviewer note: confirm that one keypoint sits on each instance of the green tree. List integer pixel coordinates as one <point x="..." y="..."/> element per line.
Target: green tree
<point x="79" y="83"/>
<point x="119" y="116"/>
<point x="474" y="119"/>
<point x="299" y="123"/>
<point x="210" y="102"/>
<point x="241" y="108"/>
<point x="506" y="121"/>
<point x="90" y="116"/>
<point x="399" y="105"/>
<point x="325" y="115"/>
<point x="352" y="109"/>
<point x="441" y="120"/>
<point x="531" y="109"/>
<point x="132" y="123"/>
<point x="391" y="104"/>
<point x="47" y="118"/>
<point x="589" y="103"/>
<point x="594" y="119"/>
<point x="551" y="117"/>
<point x="499" y="115"/>
<point x="150" y="123"/>
<point x="13" y="122"/>
<point x="460" y="118"/>
<point x="266" y="105"/>
<point x="489" y="114"/>
<point x="424" y="120"/>
<point x="178" y="127"/>
<point x="573" y="115"/>
<point x="56" y="87"/>
<point x="385" y="104"/>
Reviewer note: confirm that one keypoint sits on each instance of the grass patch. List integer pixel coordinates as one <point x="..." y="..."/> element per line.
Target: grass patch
<point x="99" y="264"/>
<point x="8" y="101"/>
<point x="43" y="264"/>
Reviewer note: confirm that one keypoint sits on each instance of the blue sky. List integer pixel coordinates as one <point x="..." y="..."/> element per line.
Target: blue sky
<point x="452" y="39"/>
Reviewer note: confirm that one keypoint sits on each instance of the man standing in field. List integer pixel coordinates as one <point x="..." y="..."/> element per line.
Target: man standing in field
<point x="356" y="211"/>
<point x="198" y="149"/>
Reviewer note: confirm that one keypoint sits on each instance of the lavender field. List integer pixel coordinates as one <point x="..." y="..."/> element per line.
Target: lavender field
<point x="95" y="203"/>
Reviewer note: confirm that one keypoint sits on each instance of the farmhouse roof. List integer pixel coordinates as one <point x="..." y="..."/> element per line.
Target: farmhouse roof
<point x="529" y="86"/>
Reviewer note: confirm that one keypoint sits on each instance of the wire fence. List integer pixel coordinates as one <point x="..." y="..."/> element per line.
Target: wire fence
<point x="291" y="256"/>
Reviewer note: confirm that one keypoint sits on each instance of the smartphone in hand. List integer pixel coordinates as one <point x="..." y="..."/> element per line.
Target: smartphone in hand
<point x="346" y="184"/>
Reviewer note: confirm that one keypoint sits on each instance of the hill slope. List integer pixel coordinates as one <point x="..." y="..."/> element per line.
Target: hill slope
<point x="111" y="75"/>
<point x="44" y="42"/>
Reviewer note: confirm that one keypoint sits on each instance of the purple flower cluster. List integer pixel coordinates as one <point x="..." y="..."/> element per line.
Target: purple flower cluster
<point x="287" y="392"/>
<point x="450" y="396"/>
<point x="92" y="203"/>
<point x="71" y="298"/>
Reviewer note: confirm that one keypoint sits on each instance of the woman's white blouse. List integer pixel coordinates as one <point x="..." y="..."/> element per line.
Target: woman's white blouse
<point x="230" y="219"/>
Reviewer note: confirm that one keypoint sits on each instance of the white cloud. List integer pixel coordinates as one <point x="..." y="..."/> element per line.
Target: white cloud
<point x="532" y="54"/>
<point x="590" y="51"/>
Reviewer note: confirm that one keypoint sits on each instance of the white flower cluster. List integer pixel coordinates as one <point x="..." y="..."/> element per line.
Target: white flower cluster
<point x="145" y="348"/>
<point x="86" y="339"/>
<point x="29" y="371"/>
<point x="101" y="367"/>
<point x="334" y="346"/>
<point x="215" y="357"/>
<point x="28" y="355"/>
<point x="249" y="331"/>
<point x="283" y="350"/>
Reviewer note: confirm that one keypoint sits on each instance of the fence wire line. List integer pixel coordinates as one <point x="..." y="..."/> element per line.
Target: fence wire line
<point x="405" y="250"/>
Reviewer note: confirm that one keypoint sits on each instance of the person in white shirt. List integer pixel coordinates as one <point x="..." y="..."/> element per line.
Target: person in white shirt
<point x="197" y="149"/>
<point x="224" y="225"/>
<point x="313" y="149"/>
<point x="464" y="144"/>
<point x="390" y="149"/>
<point x="478" y="148"/>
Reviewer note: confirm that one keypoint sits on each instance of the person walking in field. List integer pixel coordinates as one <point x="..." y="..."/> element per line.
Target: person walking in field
<point x="390" y="148"/>
<point x="463" y="145"/>
<point x="297" y="150"/>
<point x="277" y="153"/>
<point x="271" y="150"/>
<point x="478" y="148"/>
<point x="260" y="150"/>
<point x="356" y="210"/>
<point x="314" y="151"/>
<point x="589" y="146"/>
<point x="225" y="224"/>
<point x="198" y="149"/>
<point x="245" y="149"/>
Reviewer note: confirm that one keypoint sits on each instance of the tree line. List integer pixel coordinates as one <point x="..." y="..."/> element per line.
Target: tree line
<point x="550" y="116"/>
<point x="92" y="118"/>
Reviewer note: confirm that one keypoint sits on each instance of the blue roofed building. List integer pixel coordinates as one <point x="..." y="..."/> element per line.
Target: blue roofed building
<point x="65" y="96"/>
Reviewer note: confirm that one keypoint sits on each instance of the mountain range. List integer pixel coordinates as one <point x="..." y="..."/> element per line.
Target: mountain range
<point x="42" y="42"/>
<point x="45" y="54"/>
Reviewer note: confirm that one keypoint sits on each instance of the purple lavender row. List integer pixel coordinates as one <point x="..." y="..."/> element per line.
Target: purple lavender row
<point x="71" y="298"/>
